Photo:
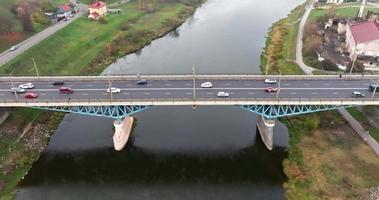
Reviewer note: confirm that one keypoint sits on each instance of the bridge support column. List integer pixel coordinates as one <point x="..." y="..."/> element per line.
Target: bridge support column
<point x="123" y="127"/>
<point x="266" y="130"/>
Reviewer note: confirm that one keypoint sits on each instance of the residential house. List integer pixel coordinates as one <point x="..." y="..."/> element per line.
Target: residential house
<point x="362" y="40"/>
<point x="64" y="11"/>
<point x="97" y="9"/>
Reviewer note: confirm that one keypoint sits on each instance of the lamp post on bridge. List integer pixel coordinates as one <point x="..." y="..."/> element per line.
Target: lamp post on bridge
<point x="280" y="79"/>
<point x="194" y="86"/>
<point x="14" y="89"/>
<point x="35" y="67"/>
<point x="373" y="92"/>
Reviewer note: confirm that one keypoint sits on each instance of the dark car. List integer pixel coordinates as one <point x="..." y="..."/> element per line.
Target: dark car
<point x="31" y="95"/>
<point x="271" y="89"/>
<point x="66" y="90"/>
<point x="58" y="83"/>
<point x="142" y="82"/>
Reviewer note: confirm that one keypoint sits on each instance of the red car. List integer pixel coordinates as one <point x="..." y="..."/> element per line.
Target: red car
<point x="66" y="90"/>
<point x="271" y="89"/>
<point x="31" y="95"/>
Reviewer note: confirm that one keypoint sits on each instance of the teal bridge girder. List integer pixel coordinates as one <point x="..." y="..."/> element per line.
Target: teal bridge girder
<point x="122" y="111"/>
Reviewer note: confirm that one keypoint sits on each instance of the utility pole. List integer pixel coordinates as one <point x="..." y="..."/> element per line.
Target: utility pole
<point x="10" y="80"/>
<point x="373" y="92"/>
<point x="109" y="87"/>
<point x="194" y="86"/>
<point x="35" y="67"/>
<point x="354" y="59"/>
<point x="141" y="4"/>
<point x="280" y="79"/>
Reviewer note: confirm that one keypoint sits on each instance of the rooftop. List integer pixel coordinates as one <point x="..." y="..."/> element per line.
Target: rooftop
<point x="97" y="4"/>
<point x="365" y="31"/>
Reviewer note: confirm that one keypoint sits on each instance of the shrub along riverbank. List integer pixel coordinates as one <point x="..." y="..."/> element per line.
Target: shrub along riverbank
<point x="326" y="159"/>
<point x="83" y="47"/>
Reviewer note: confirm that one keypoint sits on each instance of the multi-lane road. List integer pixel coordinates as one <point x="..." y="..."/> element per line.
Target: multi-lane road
<point x="183" y="90"/>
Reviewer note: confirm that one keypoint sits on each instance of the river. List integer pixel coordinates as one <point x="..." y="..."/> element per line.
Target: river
<point x="175" y="152"/>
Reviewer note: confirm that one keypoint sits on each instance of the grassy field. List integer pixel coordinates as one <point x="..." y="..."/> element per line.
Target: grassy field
<point x="76" y="47"/>
<point x="341" y="12"/>
<point x="328" y="161"/>
<point x="363" y="115"/>
<point x="281" y="45"/>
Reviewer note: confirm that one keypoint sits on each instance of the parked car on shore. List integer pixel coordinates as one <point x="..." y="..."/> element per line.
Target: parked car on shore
<point x="13" y="48"/>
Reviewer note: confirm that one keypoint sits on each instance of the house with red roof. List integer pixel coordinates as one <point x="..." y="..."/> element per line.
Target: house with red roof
<point x="97" y="9"/>
<point x="64" y="11"/>
<point x="362" y="39"/>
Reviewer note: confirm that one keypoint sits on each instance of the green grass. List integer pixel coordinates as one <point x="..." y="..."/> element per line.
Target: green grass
<point x="284" y="35"/>
<point x="362" y="118"/>
<point x="341" y="12"/>
<point x="76" y="46"/>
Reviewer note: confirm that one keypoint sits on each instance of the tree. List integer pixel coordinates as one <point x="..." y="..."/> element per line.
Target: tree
<point x="6" y="25"/>
<point x="331" y="12"/>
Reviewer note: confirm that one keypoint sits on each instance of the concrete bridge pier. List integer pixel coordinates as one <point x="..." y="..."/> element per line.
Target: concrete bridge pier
<point x="266" y="130"/>
<point x="123" y="127"/>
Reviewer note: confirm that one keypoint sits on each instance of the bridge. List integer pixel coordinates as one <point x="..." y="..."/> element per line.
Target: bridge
<point x="297" y="94"/>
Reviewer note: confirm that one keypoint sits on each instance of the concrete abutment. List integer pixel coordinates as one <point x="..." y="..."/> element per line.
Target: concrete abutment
<point x="123" y="128"/>
<point x="266" y="130"/>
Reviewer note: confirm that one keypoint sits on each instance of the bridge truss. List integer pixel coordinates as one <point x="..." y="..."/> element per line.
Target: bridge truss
<point x="120" y="112"/>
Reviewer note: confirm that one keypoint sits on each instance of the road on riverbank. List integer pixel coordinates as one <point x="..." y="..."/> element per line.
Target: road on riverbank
<point x="8" y="55"/>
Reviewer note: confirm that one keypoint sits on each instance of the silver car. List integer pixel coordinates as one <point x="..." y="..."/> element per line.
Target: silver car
<point x="18" y="90"/>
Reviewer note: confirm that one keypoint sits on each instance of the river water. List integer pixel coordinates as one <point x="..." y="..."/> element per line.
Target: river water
<point x="175" y="152"/>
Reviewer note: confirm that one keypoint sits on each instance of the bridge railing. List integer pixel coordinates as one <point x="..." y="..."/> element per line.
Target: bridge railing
<point x="188" y="77"/>
<point x="6" y="102"/>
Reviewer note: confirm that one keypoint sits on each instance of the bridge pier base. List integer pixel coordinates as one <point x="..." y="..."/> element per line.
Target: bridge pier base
<point x="122" y="132"/>
<point x="266" y="130"/>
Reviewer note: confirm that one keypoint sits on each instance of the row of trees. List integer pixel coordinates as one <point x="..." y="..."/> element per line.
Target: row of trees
<point x="26" y="11"/>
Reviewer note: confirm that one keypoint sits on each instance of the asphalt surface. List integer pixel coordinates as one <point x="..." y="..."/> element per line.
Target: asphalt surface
<point x="312" y="89"/>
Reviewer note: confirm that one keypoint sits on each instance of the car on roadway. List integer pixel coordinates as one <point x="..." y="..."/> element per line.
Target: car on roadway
<point x="112" y="90"/>
<point x="57" y="83"/>
<point x="206" y="85"/>
<point x="26" y="86"/>
<point x="142" y="82"/>
<point x="18" y="90"/>
<point x="13" y="48"/>
<point x="222" y="94"/>
<point x="357" y="94"/>
<point x="66" y="90"/>
<point x="271" y="89"/>
<point x="30" y="95"/>
<point x="270" y="81"/>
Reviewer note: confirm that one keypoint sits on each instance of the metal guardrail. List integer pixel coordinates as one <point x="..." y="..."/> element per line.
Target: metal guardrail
<point x="189" y="101"/>
<point x="189" y="77"/>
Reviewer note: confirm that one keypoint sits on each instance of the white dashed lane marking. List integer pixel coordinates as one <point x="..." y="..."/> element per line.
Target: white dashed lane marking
<point x="85" y="94"/>
<point x="293" y="92"/>
<point x="147" y="93"/>
<point x="335" y="93"/>
<point x="168" y="93"/>
<point x="314" y="93"/>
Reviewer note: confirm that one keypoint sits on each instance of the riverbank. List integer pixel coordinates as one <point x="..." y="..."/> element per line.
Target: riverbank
<point x="26" y="132"/>
<point x="326" y="159"/>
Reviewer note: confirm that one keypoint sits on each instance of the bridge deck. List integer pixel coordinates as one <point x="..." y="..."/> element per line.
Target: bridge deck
<point x="178" y="90"/>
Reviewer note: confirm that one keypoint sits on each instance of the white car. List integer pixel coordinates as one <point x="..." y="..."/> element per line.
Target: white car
<point x="13" y="48"/>
<point x="26" y="86"/>
<point x="222" y="94"/>
<point x="270" y="81"/>
<point x="206" y="85"/>
<point x="113" y="90"/>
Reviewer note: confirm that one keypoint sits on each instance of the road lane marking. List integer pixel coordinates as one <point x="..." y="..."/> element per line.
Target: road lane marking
<point x="188" y="84"/>
<point x="89" y="85"/>
<point x="168" y="93"/>
<point x="346" y="84"/>
<point x="314" y="92"/>
<point x="125" y="93"/>
<point x="287" y="84"/>
<point x="335" y="93"/>
<point x="307" y="84"/>
<point x="189" y="93"/>
<point x="43" y="94"/>
<point x="209" y="93"/>
<point x="247" y="84"/>
<point x="168" y="84"/>
<point x="85" y="94"/>
<point x="147" y="93"/>
<point x="227" y="84"/>
<point x="293" y="92"/>
<point x="251" y="93"/>
<point x="326" y="84"/>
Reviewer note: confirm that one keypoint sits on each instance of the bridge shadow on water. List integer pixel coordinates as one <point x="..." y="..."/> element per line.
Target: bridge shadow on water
<point x="137" y="166"/>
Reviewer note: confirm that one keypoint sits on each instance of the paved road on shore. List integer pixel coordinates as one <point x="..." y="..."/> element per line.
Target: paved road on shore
<point x="8" y="55"/>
